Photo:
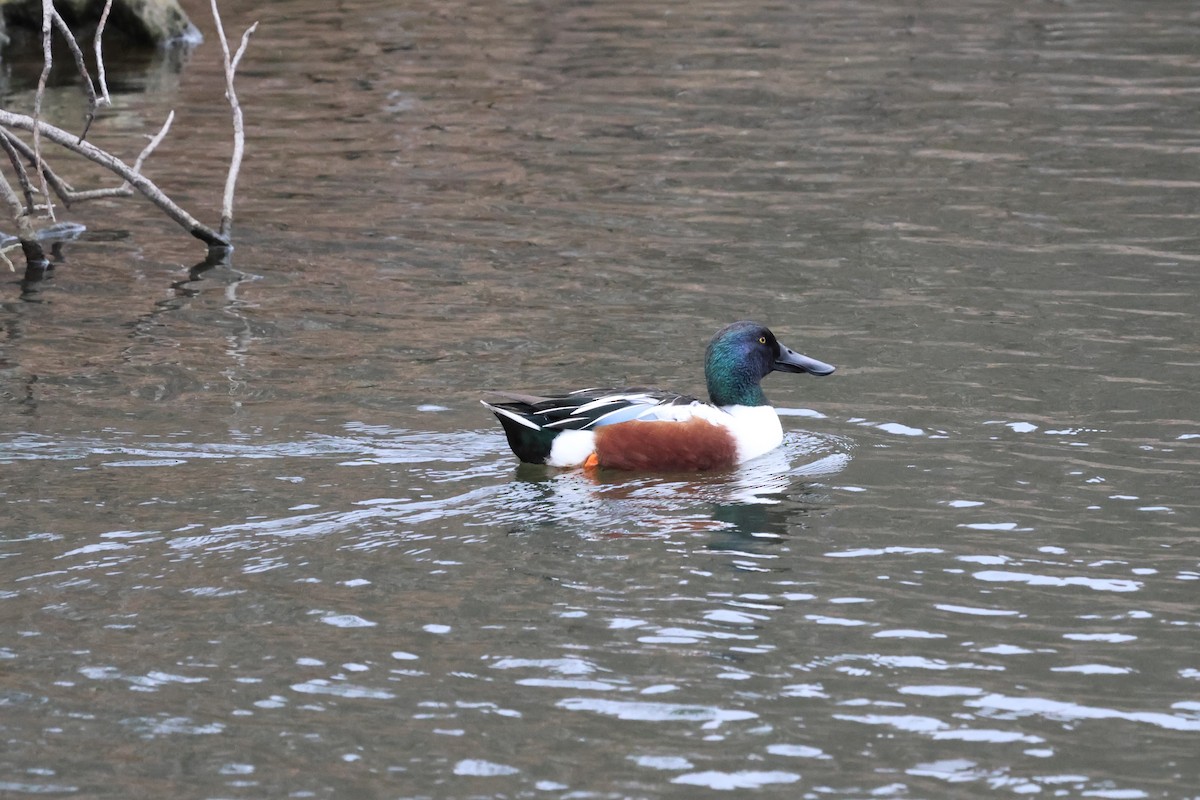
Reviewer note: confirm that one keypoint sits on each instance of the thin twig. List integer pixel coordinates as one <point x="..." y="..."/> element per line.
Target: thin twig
<point x="73" y="46"/>
<point x="64" y="190"/>
<point x="124" y="190"/>
<point x="104" y="96"/>
<point x="48" y="14"/>
<point x="34" y="254"/>
<point x="241" y="51"/>
<point x="19" y="168"/>
<point x="114" y="164"/>
<point x="239" y="135"/>
<point x="10" y="197"/>
<point x="155" y="141"/>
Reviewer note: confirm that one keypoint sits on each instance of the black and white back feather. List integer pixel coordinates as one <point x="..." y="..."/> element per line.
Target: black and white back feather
<point x="590" y="408"/>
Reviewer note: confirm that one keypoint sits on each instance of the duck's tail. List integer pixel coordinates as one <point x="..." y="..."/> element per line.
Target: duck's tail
<point x="529" y="441"/>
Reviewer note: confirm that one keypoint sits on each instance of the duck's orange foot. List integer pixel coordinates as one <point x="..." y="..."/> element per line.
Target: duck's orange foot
<point x="591" y="464"/>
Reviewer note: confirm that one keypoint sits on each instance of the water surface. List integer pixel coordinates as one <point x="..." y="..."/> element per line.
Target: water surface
<point x="258" y="538"/>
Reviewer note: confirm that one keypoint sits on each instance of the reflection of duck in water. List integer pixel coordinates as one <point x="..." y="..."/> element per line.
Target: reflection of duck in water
<point x="645" y="429"/>
<point x="750" y="508"/>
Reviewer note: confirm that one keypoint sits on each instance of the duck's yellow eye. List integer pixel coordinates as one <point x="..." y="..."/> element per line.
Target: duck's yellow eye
<point x="762" y="340"/>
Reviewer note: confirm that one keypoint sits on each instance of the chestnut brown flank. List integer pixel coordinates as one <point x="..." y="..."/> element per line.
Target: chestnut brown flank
<point x="665" y="446"/>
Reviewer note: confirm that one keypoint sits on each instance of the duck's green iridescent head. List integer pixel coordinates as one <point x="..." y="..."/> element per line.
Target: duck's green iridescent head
<point x="740" y="355"/>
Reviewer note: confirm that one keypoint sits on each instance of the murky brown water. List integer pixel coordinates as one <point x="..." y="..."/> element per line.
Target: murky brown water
<point x="260" y="540"/>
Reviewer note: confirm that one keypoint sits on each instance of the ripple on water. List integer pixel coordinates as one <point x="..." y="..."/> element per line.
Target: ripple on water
<point x="342" y="689"/>
<point x="914" y="186"/>
<point x="711" y="717"/>
<point x="1065" y="711"/>
<point x="619" y="503"/>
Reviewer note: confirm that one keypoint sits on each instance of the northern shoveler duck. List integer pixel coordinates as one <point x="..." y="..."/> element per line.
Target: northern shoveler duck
<point x="646" y="429"/>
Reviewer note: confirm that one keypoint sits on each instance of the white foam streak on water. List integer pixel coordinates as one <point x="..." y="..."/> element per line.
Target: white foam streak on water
<point x="1076" y="712"/>
<point x="321" y="686"/>
<point x="479" y="768"/>
<point x="710" y="717"/>
<point x="1096" y="584"/>
<point x="741" y="779"/>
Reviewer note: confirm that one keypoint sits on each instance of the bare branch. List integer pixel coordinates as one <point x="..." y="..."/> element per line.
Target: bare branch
<point x="35" y="256"/>
<point x="64" y="190"/>
<point x="19" y="168"/>
<point x="155" y="141"/>
<point x="22" y="155"/>
<point x="114" y="164"/>
<point x="48" y="14"/>
<point x="11" y="199"/>
<point x="73" y="46"/>
<point x="123" y="190"/>
<point x="239" y="135"/>
<point x="104" y="97"/>
<point x="241" y="51"/>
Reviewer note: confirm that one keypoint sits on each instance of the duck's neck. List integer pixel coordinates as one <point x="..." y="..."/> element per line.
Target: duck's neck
<point x="729" y="389"/>
<point x="733" y="375"/>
